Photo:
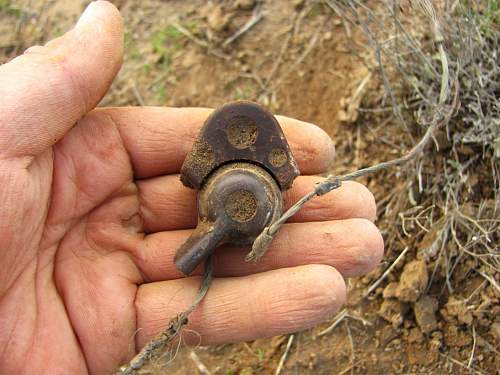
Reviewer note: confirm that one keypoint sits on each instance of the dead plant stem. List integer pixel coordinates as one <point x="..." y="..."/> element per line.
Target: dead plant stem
<point x="173" y="329"/>
<point x="285" y="355"/>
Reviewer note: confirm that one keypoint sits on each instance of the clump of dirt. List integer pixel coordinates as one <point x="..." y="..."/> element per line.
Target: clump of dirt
<point x="413" y="281"/>
<point x="455" y="310"/>
<point x="392" y="310"/>
<point x="217" y="19"/>
<point x="424" y="352"/>
<point x="425" y="313"/>
<point x="241" y="206"/>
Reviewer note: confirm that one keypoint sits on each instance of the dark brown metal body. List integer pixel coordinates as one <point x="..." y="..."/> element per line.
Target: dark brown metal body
<point x="240" y="131"/>
<point x="240" y="163"/>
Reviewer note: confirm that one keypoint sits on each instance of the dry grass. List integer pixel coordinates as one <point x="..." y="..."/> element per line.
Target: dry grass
<point x="448" y="207"/>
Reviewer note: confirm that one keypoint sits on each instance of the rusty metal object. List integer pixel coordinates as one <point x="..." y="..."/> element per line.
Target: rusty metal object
<point x="240" y="131"/>
<point x="240" y="163"/>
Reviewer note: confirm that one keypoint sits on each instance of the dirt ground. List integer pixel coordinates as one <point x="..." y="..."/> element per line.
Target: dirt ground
<point x="299" y="61"/>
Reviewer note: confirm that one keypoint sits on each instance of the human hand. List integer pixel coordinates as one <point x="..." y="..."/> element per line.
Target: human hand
<point x="92" y="211"/>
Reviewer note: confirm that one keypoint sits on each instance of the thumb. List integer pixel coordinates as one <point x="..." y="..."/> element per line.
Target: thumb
<point x="49" y="88"/>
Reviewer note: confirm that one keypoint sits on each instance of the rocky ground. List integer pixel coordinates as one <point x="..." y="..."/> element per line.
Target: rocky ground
<point x="301" y="60"/>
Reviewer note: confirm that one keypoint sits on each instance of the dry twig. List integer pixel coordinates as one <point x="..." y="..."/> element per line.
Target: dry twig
<point x="199" y="364"/>
<point x="386" y="272"/>
<point x="471" y="358"/>
<point x="344" y="313"/>
<point x="257" y="15"/>
<point x="190" y="35"/>
<point x="263" y="241"/>
<point x="461" y="364"/>
<point x="173" y="329"/>
<point x="351" y="343"/>
<point x="137" y="94"/>
<point x="339" y="317"/>
<point x="285" y="355"/>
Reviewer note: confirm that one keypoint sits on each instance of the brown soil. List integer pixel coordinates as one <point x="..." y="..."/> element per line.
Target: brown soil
<point x="298" y="61"/>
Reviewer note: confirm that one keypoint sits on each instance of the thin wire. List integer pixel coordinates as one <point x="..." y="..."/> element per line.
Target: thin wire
<point x="263" y="241"/>
<point x="173" y="329"/>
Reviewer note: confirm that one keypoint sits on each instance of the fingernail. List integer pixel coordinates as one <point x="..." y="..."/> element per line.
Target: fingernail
<point x="88" y="14"/>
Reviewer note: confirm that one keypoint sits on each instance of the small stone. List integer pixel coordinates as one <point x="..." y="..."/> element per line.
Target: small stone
<point x="415" y="336"/>
<point x="391" y="311"/>
<point x="437" y="335"/>
<point x="433" y="347"/>
<point x="495" y="330"/>
<point x="417" y="354"/>
<point x="457" y="309"/>
<point x="245" y="4"/>
<point x="217" y="19"/>
<point x="298" y="4"/>
<point x="386" y="335"/>
<point x="390" y="290"/>
<point x="425" y="313"/>
<point x="453" y="336"/>
<point x="413" y="281"/>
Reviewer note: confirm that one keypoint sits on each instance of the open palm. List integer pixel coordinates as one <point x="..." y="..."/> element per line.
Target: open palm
<point x="92" y="211"/>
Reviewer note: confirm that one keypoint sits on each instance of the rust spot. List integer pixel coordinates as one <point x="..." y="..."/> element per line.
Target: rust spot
<point x="277" y="157"/>
<point x="241" y="206"/>
<point x="241" y="132"/>
<point x="200" y="161"/>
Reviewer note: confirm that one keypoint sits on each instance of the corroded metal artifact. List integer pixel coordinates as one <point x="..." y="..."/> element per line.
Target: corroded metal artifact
<point x="240" y="163"/>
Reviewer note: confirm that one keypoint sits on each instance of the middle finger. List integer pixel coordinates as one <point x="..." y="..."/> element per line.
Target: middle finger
<point x="353" y="246"/>
<point x="166" y="204"/>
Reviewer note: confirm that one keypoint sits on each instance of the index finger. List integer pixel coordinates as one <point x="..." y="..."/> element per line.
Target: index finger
<point x="158" y="139"/>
